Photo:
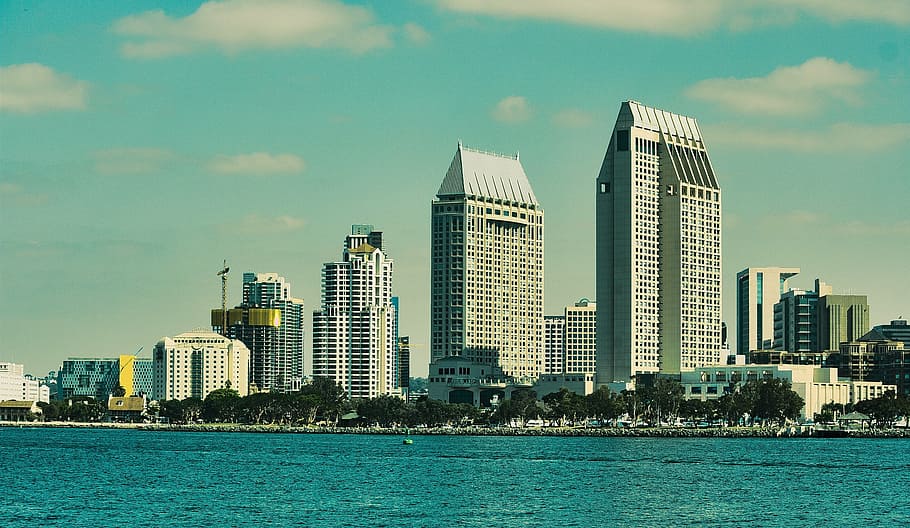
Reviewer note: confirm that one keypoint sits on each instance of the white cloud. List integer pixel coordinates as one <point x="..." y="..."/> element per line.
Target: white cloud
<point x="671" y="17"/>
<point x="29" y="88"/>
<point x="788" y="90"/>
<point x="512" y="109"/>
<point x="257" y="163"/>
<point x="573" y="118"/>
<point x="133" y="160"/>
<point x="235" y="25"/>
<point x="258" y="224"/>
<point x="840" y="137"/>
<point x="416" y="33"/>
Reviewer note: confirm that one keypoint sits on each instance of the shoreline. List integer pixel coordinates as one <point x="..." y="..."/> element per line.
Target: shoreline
<point x="614" y="432"/>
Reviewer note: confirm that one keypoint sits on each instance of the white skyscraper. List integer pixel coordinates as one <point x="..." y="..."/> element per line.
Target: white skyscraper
<point x="487" y="269"/>
<point x="658" y="248"/>
<point x="354" y="332"/>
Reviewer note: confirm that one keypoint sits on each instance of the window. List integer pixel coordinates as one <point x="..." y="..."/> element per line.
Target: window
<point x="604" y="187"/>
<point x="622" y="140"/>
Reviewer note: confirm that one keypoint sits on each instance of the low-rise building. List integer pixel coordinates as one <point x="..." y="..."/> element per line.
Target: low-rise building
<point x="16" y="385"/>
<point x="579" y="383"/>
<point x="816" y="385"/>
<point x="100" y="377"/>
<point x="456" y="379"/>
<point x="128" y="409"/>
<point x="18" y="411"/>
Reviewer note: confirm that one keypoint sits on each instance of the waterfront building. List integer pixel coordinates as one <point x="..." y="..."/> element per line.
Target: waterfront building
<point x="16" y="385"/>
<point x="354" y="340"/>
<point x="487" y="250"/>
<point x="658" y="240"/>
<point x="18" y="410"/>
<point x="193" y="364"/>
<point x="757" y="291"/>
<point x="269" y="321"/>
<point x="580" y="336"/>
<point x="126" y="409"/>
<point x="796" y="321"/>
<point x="554" y="350"/>
<point x="816" y="385"/>
<point x="457" y="379"/>
<point x="579" y="383"/>
<point x="100" y="377"/>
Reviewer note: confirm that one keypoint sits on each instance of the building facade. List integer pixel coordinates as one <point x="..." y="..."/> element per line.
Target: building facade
<point x="580" y="336"/>
<point x="796" y="321"/>
<point x="757" y="291"/>
<point x="841" y="319"/>
<point x="16" y="385"/>
<point x="487" y="249"/>
<point x="554" y="350"/>
<point x="354" y="337"/>
<point x="658" y="224"/>
<point x="269" y="321"/>
<point x="100" y="377"/>
<point x="193" y="364"/>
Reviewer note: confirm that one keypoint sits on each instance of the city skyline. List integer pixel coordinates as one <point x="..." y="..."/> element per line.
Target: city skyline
<point x="139" y="148"/>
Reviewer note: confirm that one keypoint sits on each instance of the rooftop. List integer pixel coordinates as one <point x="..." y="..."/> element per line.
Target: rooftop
<point x="479" y="173"/>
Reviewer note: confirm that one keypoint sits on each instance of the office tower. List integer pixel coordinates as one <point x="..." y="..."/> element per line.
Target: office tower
<point x="487" y="265"/>
<point x="796" y="321"/>
<point x="354" y="339"/>
<point x="757" y="291"/>
<point x="100" y="377"/>
<point x="554" y="349"/>
<point x="269" y="321"/>
<point x="404" y="363"/>
<point x="658" y="248"/>
<point x="580" y="335"/>
<point x="193" y="364"/>
<point x="841" y="318"/>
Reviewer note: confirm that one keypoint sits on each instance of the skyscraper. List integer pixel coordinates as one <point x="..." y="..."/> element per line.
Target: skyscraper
<point x="658" y="248"/>
<point x="269" y="321"/>
<point x="554" y="350"/>
<point x="757" y="291"/>
<point x="354" y="338"/>
<point x="581" y="331"/>
<point x="487" y="268"/>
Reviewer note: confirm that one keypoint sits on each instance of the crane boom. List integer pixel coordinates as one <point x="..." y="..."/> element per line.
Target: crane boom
<point x="223" y="274"/>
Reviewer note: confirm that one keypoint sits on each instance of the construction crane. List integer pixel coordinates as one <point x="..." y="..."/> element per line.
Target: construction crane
<point x="223" y="274"/>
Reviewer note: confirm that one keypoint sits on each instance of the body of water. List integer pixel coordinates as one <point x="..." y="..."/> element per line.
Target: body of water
<point x="91" y="477"/>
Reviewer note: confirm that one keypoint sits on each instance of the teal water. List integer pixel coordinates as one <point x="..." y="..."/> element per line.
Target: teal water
<point x="70" y="477"/>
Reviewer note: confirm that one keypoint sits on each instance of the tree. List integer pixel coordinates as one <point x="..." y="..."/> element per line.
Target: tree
<point x="191" y="410"/>
<point x="119" y="391"/>
<point x="565" y="405"/>
<point x="332" y="398"/>
<point x="604" y="405"/>
<point x="221" y="405"/>
<point x="771" y="400"/>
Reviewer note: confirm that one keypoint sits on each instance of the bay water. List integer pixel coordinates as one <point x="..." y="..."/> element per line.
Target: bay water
<point x="100" y="477"/>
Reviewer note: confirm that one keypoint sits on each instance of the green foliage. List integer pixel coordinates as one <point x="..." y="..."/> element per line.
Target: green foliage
<point x="565" y="406"/>
<point x="75" y="409"/>
<point x="604" y="405"/>
<point x="885" y="409"/>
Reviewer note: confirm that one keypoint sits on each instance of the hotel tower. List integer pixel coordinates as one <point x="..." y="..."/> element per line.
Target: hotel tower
<point x="658" y="248"/>
<point x="487" y="269"/>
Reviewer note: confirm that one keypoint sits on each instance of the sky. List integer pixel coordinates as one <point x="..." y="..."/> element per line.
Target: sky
<point x="142" y="143"/>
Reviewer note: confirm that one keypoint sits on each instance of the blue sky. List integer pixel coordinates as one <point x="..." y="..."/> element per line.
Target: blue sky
<point x="143" y="142"/>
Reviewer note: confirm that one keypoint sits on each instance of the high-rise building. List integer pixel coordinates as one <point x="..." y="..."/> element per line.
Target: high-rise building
<point x="16" y="385"/>
<point x="796" y="321"/>
<point x="898" y="330"/>
<point x="100" y="377"/>
<point x="487" y="271"/>
<point x="554" y="350"/>
<point x="269" y="321"/>
<point x="757" y="291"/>
<point x="354" y="339"/>
<point x="193" y="364"/>
<point x="658" y="248"/>
<point x="841" y="319"/>
<point x="581" y="331"/>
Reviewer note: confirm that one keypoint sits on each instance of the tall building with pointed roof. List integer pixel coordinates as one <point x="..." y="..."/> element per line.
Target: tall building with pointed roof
<point x="487" y="245"/>
<point x="354" y="339"/>
<point x="658" y="268"/>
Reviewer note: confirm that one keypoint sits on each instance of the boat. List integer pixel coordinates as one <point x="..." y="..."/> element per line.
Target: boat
<point x="407" y="438"/>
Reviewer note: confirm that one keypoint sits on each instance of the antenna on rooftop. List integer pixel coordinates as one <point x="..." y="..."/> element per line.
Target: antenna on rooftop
<point x="223" y="274"/>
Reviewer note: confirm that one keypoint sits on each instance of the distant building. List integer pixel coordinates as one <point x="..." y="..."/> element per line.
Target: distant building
<point x="126" y="409"/>
<point x="18" y="411"/>
<point x="269" y="321"/>
<point x="193" y="364"/>
<point x="898" y="330"/>
<point x="457" y="379"/>
<point x="816" y="385"/>
<point x="354" y="340"/>
<point x="757" y="291"/>
<point x="487" y="269"/>
<point x="404" y="363"/>
<point x="580" y="336"/>
<point x="796" y="321"/>
<point x="841" y="319"/>
<point x="658" y="246"/>
<point x="579" y="383"/>
<point x="554" y="350"/>
<point x="100" y="377"/>
<point x="16" y="385"/>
